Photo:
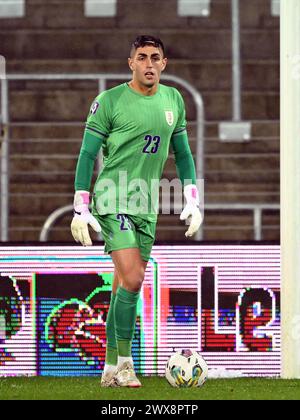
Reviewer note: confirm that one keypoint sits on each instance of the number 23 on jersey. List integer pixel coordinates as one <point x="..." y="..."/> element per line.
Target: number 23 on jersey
<point x="152" y="144"/>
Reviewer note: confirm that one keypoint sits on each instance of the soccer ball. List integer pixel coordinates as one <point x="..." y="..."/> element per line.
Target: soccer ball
<point x="186" y="369"/>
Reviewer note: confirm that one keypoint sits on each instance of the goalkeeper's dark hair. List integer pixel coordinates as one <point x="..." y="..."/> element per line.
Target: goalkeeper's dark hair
<point x="143" y="40"/>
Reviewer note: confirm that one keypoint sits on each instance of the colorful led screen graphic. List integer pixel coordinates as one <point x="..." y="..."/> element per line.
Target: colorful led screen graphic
<point x="222" y="301"/>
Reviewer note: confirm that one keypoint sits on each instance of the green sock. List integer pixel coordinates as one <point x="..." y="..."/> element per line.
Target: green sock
<point x="125" y="308"/>
<point x="111" y="357"/>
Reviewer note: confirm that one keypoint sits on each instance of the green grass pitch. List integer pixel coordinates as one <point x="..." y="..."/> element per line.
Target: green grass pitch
<point x="154" y="388"/>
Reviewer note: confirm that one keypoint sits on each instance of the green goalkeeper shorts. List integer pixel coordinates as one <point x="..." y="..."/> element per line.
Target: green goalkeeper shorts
<point x="122" y="231"/>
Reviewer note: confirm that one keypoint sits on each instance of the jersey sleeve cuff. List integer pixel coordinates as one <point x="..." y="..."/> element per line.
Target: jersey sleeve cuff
<point x="96" y="132"/>
<point x="181" y="130"/>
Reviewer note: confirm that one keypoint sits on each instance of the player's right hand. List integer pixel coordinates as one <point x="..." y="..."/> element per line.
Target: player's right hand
<point x="82" y="218"/>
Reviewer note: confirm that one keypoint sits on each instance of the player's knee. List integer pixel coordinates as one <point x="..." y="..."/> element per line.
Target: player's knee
<point x="134" y="280"/>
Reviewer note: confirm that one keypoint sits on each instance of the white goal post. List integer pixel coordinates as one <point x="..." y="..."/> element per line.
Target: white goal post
<point x="290" y="186"/>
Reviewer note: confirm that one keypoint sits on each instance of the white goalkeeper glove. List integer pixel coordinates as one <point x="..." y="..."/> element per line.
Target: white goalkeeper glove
<point x="82" y="218"/>
<point x="191" y="211"/>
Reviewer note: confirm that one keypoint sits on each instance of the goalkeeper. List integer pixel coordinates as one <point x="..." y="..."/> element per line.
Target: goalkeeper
<point x="134" y="123"/>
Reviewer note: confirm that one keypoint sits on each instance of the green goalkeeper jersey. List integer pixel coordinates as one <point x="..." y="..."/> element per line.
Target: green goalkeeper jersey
<point x="136" y="131"/>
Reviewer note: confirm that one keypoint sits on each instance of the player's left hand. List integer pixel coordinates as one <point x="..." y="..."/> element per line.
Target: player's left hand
<point x="192" y="210"/>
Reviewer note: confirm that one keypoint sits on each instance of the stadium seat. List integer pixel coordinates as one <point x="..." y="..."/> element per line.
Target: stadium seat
<point x="275" y="7"/>
<point x="100" y="8"/>
<point x="2" y="67"/>
<point x="194" y="7"/>
<point x="12" y="8"/>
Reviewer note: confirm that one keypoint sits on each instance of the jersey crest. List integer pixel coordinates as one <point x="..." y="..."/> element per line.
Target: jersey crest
<point x="169" y="117"/>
